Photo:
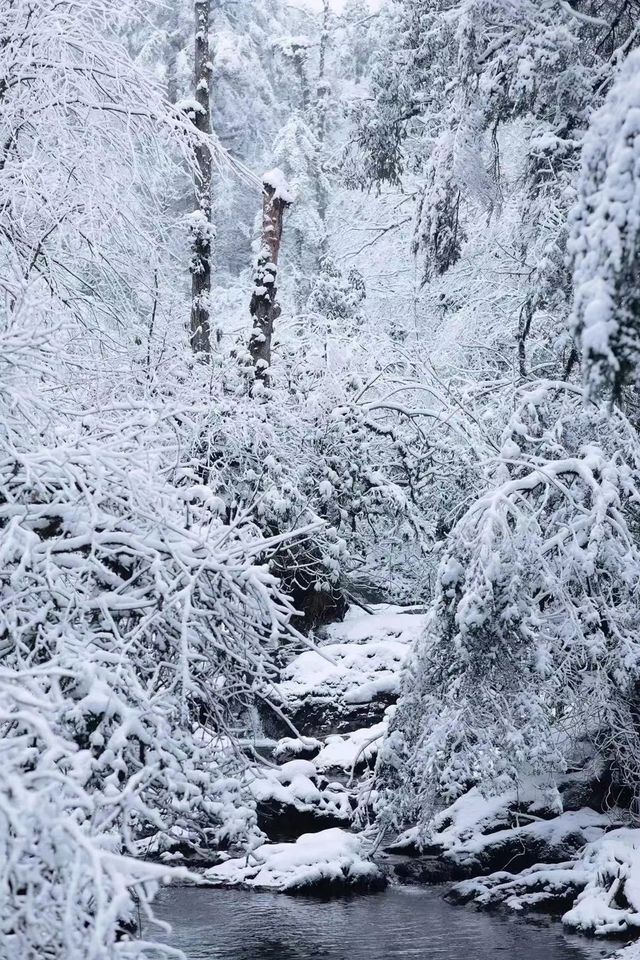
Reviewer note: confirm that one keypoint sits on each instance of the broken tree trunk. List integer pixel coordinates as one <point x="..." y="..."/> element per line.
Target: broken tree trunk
<point x="265" y="309"/>
<point x="202" y="221"/>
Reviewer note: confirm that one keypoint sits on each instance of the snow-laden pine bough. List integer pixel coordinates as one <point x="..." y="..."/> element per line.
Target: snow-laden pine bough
<point x="532" y="641"/>
<point x="133" y="618"/>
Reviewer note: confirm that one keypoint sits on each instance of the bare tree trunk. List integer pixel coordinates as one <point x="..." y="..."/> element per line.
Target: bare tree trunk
<point x="172" y="48"/>
<point x="202" y="222"/>
<point x="265" y="308"/>
<point x="322" y="107"/>
<point x="324" y="40"/>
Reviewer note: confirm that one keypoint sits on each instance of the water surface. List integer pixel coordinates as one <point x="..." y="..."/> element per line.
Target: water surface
<point x="413" y="923"/>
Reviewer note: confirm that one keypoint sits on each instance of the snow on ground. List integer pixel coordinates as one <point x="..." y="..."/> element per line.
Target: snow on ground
<point x="360" y="660"/>
<point x="386" y="621"/>
<point x="586" y="824"/>
<point x="297" y="784"/>
<point x="463" y="824"/>
<point x="344" y="751"/>
<point x="329" y="858"/>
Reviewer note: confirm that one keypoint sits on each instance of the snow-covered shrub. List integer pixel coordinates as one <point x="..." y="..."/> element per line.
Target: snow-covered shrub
<point x="339" y="442"/>
<point x="137" y="629"/>
<point x="65" y="889"/>
<point x="532" y="641"/>
<point x="338" y="300"/>
<point x="156" y="608"/>
<point x="605" y="239"/>
<point x="136" y="626"/>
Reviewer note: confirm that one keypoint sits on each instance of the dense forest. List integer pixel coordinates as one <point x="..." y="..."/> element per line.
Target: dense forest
<point x="319" y="451"/>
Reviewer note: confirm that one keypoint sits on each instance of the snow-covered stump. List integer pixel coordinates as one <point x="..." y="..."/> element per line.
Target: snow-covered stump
<point x="264" y="305"/>
<point x="332" y="861"/>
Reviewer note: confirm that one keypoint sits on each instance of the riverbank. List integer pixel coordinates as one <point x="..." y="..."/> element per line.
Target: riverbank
<point x="562" y="853"/>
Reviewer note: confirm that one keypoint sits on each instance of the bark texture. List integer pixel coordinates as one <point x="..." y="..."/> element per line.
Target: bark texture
<point x="202" y="224"/>
<point x="265" y="309"/>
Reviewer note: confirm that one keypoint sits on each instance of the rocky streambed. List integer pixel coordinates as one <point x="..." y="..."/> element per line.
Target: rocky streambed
<point x="517" y="852"/>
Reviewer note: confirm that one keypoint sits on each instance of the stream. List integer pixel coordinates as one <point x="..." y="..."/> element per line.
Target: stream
<point x="400" y="922"/>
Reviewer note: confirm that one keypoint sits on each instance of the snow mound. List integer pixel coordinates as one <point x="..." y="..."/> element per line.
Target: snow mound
<point x="355" y="669"/>
<point x="344" y="751"/>
<point x="329" y="860"/>
<point x="386" y="622"/>
<point x="298" y="784"/>
<point x="361" y="661"/>
<point x="290" y="748"/>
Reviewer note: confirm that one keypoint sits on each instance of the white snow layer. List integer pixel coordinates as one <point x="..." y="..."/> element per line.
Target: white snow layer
<point x="604" y="878"/>
<point x="362" y="659"/>
<point x="296" y="784"/>
<point x="330" y="856"/>
<point x="278" y="182"/>
<point x="344" y="751"/>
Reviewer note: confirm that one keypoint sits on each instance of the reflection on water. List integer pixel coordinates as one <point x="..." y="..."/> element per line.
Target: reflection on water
<point x="401" y="922"/>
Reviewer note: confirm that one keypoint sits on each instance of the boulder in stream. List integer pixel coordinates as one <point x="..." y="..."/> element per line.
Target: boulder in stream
<point x="329" y="862"/>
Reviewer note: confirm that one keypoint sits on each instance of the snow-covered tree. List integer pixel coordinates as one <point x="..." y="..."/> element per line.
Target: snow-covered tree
<point x="605" y="239"/>
<point x="297" y="153"/>
<point x="532" y="640"/>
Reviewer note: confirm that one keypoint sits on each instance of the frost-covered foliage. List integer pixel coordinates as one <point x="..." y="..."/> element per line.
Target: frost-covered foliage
<point x="133" y="617"/>
<point x="481" y="112"/>
<point x="86" y="140"/>
<point x="532" y="639"/>
<point x="137" y="625"/>
<point x="296" y="152"/>
<point x="480" y="108"/>
<point x="161" y="520"/>
<point x="605" y="242"/>
<point x="65" y="888"/>
<point x="141" y="625"/>
<point x="346" y="440"/>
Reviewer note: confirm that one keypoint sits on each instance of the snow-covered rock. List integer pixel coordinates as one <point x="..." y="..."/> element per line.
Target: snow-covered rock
<point x="601" y="886"/>
<point x="292" y="748"/>
<point x="294" y="798"/>
<point x="331" y="860"/>
<point x="346" y="751"/>
<point x="513" y="831"/>
<point x="354" y="675"/>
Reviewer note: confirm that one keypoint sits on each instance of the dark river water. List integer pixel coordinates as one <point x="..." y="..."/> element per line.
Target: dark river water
<point x="400" y="922"/>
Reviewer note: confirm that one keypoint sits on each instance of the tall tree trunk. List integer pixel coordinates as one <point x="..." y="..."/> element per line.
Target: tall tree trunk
<point x="322" y="108"/>
<point x="265" y="308"/>
<point x="172" y="49"/>
<point x="202" y="221"/>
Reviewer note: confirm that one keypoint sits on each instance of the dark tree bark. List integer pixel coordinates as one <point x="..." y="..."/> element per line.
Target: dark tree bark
<point x="322" y="107"/>
<point x="265" y="309"/>
<point x="172" y="49"/>
<point x="202" y="222"/>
